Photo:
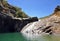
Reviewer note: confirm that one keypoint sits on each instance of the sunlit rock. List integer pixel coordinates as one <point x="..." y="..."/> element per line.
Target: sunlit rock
<point x="48" y="25"/>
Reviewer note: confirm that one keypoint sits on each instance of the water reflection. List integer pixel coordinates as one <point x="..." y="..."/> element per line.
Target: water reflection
<point x="43" y="38"/>
<point x="21" y="37"/>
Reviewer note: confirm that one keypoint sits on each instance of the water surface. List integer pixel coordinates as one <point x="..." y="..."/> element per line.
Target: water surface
<point x="20" y="37"/>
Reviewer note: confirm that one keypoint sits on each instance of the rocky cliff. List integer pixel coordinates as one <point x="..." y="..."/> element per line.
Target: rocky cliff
<point x="12" y="19"/>
<point x="48" y="25"/>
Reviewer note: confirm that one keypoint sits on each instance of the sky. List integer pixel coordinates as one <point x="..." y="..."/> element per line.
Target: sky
<point x="36" y="8"/>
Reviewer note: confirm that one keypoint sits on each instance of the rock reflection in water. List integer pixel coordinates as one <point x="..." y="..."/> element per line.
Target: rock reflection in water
<point x="43" y="38"/>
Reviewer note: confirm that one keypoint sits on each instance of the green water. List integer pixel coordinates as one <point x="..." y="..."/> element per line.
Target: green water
<point x="20" y="37"/>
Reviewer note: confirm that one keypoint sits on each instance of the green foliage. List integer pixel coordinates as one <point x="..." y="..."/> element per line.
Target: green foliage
<point x="20" y="13"/>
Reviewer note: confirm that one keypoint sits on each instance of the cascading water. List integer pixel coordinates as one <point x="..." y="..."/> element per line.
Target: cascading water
<point x="33" y="29"/>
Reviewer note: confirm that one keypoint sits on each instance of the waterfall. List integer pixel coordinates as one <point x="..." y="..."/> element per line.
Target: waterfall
<point x="35" y="28"/>
<point x="28" y="27"/>
<point x="32" y="30"/>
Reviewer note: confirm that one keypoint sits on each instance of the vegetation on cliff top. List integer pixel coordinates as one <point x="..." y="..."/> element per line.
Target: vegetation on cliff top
<point x="15" y="11"/>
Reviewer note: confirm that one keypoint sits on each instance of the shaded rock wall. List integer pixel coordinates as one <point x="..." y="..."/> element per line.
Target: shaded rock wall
<point x="8" y="24"/>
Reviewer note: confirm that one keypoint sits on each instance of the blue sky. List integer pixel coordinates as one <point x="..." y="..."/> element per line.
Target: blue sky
<point x="39" y="8"/>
